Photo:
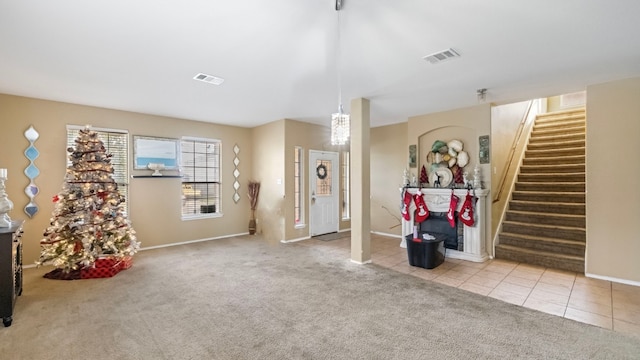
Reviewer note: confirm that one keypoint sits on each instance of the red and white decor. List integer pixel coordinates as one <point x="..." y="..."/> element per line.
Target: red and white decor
<point x="476" y="240"/>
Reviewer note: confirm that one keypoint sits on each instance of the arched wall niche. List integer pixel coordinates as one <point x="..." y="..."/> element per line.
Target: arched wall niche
<point x="468" y="136"/>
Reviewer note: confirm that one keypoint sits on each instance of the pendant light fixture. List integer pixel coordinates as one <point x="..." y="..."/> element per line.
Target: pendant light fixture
<point x="340" y="125"/>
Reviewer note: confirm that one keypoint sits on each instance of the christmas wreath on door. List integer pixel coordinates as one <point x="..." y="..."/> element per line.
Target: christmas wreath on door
<point x="321" y="172"/>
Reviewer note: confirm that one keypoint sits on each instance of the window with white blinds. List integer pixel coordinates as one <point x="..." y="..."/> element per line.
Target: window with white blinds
<point x="116" y="143"/>
<point x="200" y="163"/>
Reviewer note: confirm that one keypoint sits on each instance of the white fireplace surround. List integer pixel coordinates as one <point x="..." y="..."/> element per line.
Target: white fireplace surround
<point x="438" y="200"/>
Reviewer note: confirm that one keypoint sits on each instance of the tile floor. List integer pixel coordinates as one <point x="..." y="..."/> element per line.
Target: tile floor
<point x="601" y="303"/>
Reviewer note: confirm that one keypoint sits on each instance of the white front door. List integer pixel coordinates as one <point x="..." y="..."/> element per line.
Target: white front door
<point x="324" y="190"/>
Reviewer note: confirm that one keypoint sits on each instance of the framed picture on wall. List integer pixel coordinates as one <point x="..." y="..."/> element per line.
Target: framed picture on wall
<point x="413" y="156"/>
<point x="484" y="149"/>
<point x="155" y="150"/>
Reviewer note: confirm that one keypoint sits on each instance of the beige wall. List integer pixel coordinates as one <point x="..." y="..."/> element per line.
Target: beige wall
<point x="507" y="121"/>
<point x="613" y="170"/>
<point x="154" y="206"/>
<point x="268" y="168"/>
<point x="308" y="137"/>
<point x="389" y="157"/>
<point x="472" y="122"/>
<point x="466" y="125"/>
<point x="273" y="166"/>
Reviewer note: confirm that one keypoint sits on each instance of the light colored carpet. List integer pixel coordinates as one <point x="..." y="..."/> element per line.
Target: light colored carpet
<point x="242" y="298"/>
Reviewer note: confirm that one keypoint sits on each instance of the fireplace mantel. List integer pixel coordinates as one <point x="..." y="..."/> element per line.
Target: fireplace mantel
<point x="475" y="239"/>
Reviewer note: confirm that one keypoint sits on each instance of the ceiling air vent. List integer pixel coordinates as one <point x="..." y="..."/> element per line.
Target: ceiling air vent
<point x="441" y="56"/>
<point x="209" y="79"/>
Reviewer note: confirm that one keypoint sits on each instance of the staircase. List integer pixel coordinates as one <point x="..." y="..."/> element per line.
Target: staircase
<point x="545" y="221"/>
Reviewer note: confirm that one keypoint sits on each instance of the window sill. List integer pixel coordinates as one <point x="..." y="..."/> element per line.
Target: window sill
<point x="202" y="216"/>
<point x="156" y="177"/>
<point x="300" y="226"/>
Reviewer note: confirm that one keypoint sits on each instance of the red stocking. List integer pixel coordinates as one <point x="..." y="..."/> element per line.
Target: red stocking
<point x="466" y="213"/>
<point x="453" y="205"/>
<point x="422" y="212"/>
<point x="406" y="202"/>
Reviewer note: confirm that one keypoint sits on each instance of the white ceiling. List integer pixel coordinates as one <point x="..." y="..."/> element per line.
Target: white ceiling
<point x="278" y="57"/>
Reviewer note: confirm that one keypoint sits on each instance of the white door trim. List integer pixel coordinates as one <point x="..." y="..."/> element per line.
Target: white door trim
<point x="324" y="215"/>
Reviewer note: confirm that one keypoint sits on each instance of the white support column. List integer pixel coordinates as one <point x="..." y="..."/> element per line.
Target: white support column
<point x="360" y="182"/>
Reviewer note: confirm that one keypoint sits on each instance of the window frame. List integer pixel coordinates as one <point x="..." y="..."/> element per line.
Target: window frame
<point x="298" y="180"/>
<point x="218" y="202"/>
<point x="123" y="186"/>
<point x="345" y="179"/>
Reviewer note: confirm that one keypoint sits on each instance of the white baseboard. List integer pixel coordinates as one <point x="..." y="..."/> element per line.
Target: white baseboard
<point x="168" y="245"/>
<point x="192" y="241"/>
<point x="361" y="263"/>
<point x="613" y="279"/>
<point x="295" y="240"/>
<point x="386" y="234"/>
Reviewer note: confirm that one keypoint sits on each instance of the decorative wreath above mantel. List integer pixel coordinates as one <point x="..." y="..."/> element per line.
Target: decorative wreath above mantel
<point x="321" y="172"/>
<point x="446" y="162"/>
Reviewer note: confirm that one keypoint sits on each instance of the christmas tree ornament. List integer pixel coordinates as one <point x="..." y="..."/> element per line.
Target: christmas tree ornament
<point x="466" y="212"/>
<point x="453" y="205"/>
<point x="422" y="212"/>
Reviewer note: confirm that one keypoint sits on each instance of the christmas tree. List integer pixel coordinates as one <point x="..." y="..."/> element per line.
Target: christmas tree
<point x="88" y="219"/>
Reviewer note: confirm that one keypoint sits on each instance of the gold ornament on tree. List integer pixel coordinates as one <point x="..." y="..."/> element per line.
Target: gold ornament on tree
<point x="254" y="190"/>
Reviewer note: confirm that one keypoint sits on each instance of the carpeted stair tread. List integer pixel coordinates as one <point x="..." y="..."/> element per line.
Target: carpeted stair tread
<point x="540" y="227"/>
<point x="557" y="187"/>
<point x="576" y="122"/>
<point x="549" y="196"/>
<point x="558" y="128"/>
<point x="569" y="159"/>
<point x="553" y="168"/>
<point x="556" y="131"/>
<point x="562" y="114"/>
<point x="568" y="220"/>
<point x="553" y="245"/>
<point x="552" y="177"/>
<point x="553" y="231"/>
<point x="556" y="144"/>
<point x="554" y="152"/>
<point x="557" y="137"/>
<point x="546" y="206"/>
<point x="541" y="258"/>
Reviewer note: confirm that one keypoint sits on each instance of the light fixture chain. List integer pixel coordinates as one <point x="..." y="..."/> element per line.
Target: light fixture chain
<point x="339" y="63"/>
